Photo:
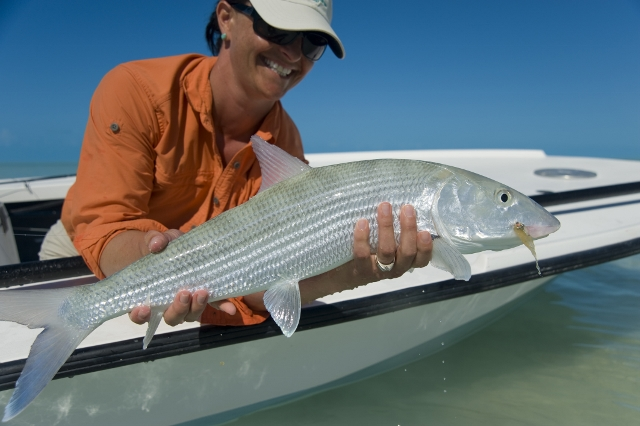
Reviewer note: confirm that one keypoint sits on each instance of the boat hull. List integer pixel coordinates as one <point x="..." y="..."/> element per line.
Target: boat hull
<point x="227" y="382"/>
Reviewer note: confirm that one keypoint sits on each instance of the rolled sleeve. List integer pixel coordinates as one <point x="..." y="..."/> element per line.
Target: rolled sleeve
<point x="115" y="177"/>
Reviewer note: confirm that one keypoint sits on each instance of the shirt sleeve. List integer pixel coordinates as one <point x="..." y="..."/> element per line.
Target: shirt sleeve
<point x="116" y="168"/>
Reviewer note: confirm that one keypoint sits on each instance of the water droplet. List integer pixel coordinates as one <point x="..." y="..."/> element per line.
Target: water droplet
<point x="445" y="391"/>
<point x="443" y="361"/>
<point x="442" y="343"/>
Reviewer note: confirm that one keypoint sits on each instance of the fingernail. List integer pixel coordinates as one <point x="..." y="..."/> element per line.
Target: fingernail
<point x="184" y="298"/>
<point x="425" y="237"/>
<point x="201" y="299"/>
<point x="153" y="243"/>
<point x="362" y="224"/>
<point x="408" y="211"/>
<point x="141" y="316"/>
<point x="386" y="209"/>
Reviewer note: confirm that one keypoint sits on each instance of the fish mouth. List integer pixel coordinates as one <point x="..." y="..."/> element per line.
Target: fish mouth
<point x="539" y="231"/>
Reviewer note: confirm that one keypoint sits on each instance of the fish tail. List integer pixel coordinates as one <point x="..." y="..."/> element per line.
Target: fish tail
<point x="52" y="347"/>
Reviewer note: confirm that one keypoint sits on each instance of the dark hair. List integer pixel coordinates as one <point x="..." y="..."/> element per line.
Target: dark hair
<point x="212" y="33"/>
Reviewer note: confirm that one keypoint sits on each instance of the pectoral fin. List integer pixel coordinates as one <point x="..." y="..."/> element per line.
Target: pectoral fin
<point x="447" y="258"/>
<point x="283" y="303"/>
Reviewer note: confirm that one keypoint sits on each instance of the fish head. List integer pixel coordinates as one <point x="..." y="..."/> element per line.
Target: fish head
<point x="476" y="213"/>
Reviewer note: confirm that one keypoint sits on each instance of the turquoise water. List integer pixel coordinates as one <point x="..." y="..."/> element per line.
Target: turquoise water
<point x="569" y="355"/>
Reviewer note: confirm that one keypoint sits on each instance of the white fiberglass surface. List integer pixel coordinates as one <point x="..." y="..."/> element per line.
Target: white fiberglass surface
<point x="229" y="378"/>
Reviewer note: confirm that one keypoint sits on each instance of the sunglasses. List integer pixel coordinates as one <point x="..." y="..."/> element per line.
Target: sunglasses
<point x="313" y="44"/>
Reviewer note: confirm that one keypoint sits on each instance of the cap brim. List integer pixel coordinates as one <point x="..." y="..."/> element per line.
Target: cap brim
<point x="298" y="17"/>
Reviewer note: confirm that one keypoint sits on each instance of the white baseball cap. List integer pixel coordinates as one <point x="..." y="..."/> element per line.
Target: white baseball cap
<point x="301" y="15"/>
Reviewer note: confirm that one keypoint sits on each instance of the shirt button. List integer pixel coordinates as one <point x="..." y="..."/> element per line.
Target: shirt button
<point x="114" y="127"/>
<point x="216" y="202"/>
<point x="236" y="165"/>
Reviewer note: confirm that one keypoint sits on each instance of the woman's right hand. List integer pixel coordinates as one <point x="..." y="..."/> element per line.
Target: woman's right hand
<point x="185" y="307"/>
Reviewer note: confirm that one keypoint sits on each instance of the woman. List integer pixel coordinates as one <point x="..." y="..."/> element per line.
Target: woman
<point x="166" y="148"/>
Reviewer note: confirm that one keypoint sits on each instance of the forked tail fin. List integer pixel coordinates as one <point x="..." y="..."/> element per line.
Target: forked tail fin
<point x="52" y="347"/>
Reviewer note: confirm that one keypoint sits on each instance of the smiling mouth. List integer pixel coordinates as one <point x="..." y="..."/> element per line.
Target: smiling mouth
<point x="279" y="69"/>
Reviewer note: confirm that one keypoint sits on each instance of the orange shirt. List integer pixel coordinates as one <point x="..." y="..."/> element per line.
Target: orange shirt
<point x="149" y="160"/>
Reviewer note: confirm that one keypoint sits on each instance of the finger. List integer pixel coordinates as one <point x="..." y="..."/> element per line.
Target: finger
<point x="386" y="240"/>
<point x="361" y="248"/>
<point x="408" y="240"/>
<point x="178" y="309"/>
<point x="425" y="250"/>
<point x="140" y="314"/>
<point x="156" y="241"/>
<point x="224" y="306"/>
<point x="198" y="303"/>
<point x="172" y="234"/>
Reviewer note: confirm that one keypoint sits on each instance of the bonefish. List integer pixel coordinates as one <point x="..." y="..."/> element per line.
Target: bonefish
<point x="299" y="225"/>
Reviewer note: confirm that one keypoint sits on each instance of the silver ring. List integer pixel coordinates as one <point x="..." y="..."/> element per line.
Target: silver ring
<point x="385" y="267"/>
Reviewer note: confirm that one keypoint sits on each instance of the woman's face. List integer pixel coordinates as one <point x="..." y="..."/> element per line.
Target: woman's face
<point x="264" y="70"/>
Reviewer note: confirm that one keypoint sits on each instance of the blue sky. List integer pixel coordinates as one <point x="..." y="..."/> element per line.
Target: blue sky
<point x="563" y="76"/>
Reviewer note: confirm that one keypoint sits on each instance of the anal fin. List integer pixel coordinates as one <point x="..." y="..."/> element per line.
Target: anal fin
<point x="154" y="322"/>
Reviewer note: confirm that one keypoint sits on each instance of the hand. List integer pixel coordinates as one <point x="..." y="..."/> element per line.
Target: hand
<point x="414" y="251"/>
<point x="186" y="306"/>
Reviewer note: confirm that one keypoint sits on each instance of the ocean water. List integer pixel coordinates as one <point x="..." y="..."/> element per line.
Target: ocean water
<point x="568" y="355"/>
<point x="21" y="170"/>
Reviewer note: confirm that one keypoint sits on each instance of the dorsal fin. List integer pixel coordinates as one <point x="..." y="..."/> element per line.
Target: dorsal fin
<point x="276" y="164"/>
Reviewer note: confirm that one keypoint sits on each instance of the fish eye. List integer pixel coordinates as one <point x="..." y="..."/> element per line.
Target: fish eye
<point x="503" y="196"/>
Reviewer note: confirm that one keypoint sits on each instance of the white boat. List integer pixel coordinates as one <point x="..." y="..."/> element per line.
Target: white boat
<point x="216" y="374"/>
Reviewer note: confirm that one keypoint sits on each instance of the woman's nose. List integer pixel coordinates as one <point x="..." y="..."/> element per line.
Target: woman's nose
<point x="293" y="50"/>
